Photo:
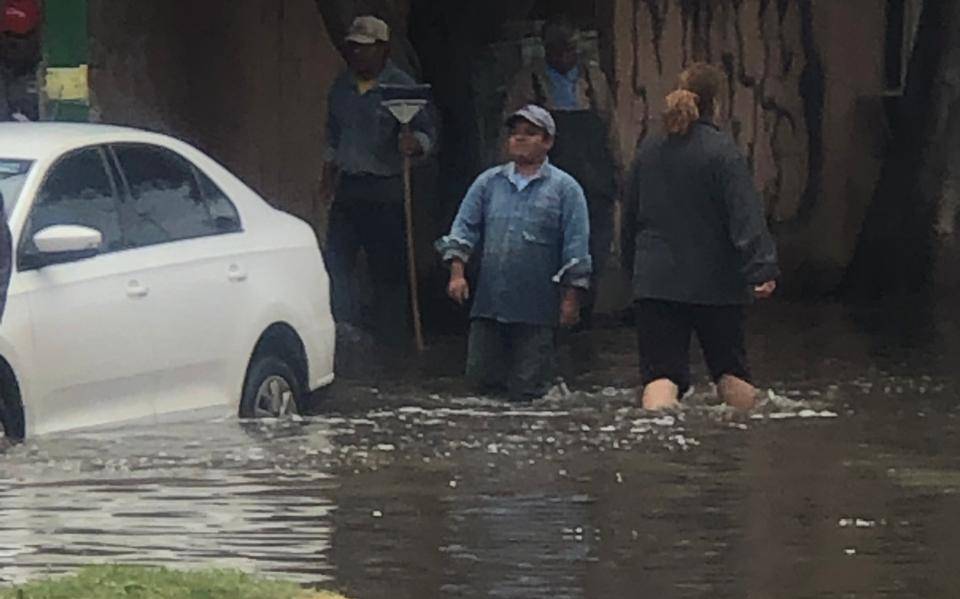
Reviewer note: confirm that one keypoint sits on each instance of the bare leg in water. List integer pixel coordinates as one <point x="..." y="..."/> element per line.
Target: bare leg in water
<point x="737" y="393"/>
<point x="661" y="394"/>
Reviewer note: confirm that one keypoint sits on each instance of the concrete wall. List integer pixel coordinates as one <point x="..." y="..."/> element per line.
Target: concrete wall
<point x="245" y="81"/>
<point x="805" y="85"/>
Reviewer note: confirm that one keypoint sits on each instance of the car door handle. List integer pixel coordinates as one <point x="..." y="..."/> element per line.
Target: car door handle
<point x="236" y="274"/>
<point x="137" y="289"/>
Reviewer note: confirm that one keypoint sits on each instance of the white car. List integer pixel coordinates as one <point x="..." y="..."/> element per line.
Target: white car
<point x="148" y="281"/>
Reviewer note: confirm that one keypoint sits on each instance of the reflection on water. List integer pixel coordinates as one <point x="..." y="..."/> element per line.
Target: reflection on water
<point x="843" y="484"/>
<point x="203" y="494"/>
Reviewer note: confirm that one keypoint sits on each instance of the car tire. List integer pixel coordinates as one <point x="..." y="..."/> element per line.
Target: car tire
<point x="272" y="389"/>
<point x="11" y="410"/>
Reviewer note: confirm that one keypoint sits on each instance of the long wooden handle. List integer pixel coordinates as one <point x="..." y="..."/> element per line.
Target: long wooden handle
<point x="411" y="254"/>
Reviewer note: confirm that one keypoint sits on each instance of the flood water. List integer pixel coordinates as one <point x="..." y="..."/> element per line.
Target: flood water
<point x="845" y="483"/>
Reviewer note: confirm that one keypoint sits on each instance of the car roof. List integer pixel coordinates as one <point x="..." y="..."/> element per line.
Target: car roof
<point x="35" y="141"/>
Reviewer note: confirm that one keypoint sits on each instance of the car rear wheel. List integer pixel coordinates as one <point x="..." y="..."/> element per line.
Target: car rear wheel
<point x="272" y="389"/>
<point x="11" y="409"/>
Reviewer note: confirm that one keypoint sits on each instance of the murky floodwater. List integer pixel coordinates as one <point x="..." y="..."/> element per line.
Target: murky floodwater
<point x="844" y="484"/>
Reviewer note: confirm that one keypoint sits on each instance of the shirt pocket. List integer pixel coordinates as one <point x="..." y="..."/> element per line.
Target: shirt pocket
<point x="542" y="223"/>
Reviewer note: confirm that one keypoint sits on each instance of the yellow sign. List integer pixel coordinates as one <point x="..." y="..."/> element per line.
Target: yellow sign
<point x="68" y="83"/>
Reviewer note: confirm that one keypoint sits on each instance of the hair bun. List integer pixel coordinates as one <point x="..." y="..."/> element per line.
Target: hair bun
<point x="681" y="111"/>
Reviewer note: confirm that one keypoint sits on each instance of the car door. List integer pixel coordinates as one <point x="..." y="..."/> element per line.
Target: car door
<point x="188" y="241"/>
<point x="91" y="360"/>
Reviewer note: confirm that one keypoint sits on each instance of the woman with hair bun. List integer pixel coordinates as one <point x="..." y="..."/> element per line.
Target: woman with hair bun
<point x="697" y="242"/>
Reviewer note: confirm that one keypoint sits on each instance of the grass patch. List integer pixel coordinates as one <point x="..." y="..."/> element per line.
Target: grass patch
<point x="129" y="582"/>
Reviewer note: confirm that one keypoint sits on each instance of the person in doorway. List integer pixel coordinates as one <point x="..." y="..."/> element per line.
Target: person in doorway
<point x="695" y="228"/>
<point x="362" y="174"/>
<point x="527" y="223"/>
<point x="19" y="57"/>
<point x="577" y="94"/>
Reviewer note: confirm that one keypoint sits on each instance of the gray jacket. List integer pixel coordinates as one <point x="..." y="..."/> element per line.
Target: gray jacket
<point x="693" y="222"/>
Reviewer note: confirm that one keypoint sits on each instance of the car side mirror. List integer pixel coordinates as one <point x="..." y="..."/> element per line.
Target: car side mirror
<point x="62" y="243"/>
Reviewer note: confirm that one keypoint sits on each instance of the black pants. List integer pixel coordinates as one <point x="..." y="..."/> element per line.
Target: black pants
<point x="368" y="213"/>
<point x="664" y="329"/>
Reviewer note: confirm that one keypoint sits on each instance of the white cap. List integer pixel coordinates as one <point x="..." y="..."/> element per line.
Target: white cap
<point x="537" y="115"/>
<point x="368" y="30"/>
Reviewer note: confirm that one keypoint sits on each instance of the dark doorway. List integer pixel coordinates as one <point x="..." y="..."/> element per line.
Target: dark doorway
<point x="468" y="53"/>
<point x="894" y="48"/>
<point x="465" y="52"/>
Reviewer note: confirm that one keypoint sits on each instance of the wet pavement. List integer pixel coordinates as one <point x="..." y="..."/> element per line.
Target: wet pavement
<point x="844" y="483"/>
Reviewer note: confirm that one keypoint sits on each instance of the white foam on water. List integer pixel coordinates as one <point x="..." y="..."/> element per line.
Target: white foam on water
<point x="468" y="412"/>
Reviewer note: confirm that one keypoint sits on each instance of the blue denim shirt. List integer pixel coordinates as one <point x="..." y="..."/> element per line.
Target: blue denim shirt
<point x="564" y="88"/>
<point x="532" y="237"/>
<point x="362" y="135"/>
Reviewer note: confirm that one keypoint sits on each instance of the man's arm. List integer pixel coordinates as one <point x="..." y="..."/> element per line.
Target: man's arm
<point x="466" y="232"/>
<point x="330" y="171"/>
<point x="420" y="138"/>
<point x="458" y="289"/>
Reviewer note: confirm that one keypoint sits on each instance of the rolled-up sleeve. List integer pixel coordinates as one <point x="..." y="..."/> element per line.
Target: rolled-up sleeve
<point x="577" y="264"/>
<point x="467" y="226"/>
<point x="748" y="228"/>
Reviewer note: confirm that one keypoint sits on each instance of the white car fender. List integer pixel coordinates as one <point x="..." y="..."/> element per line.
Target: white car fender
<point x="274" y="313"/>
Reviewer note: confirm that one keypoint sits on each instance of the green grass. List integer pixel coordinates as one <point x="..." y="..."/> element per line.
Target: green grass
<point x="128" y="582"/>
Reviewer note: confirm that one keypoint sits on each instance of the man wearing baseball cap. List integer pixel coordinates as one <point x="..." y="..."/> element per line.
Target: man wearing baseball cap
<point x="526" y="222"/>
<point x="362" y="174"/>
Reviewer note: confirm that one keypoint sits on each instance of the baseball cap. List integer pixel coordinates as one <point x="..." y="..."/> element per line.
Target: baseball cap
<point x="368" y="30"/>
<point x="20" y="16"/>
<point x="536" y="115"/>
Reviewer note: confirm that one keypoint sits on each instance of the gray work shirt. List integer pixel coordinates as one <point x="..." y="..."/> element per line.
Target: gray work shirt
<point x="693" y="221"/>
<point x="362" y="135"/>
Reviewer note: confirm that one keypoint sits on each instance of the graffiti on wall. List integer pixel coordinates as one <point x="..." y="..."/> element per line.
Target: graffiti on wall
<point x="775" y="95"/>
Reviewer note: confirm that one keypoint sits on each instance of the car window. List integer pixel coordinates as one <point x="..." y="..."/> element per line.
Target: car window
<point x="222" y="210"/>
<point x="166" y="200"/>
<point x="77" y="191"/>
<point x="13" y="174"/>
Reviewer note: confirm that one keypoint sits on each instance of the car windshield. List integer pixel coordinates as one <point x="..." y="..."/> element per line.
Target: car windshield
<point x="12" y="175"/>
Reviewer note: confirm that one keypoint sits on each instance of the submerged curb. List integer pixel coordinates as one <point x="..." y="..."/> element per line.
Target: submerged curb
<point x="131" y="582"/>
